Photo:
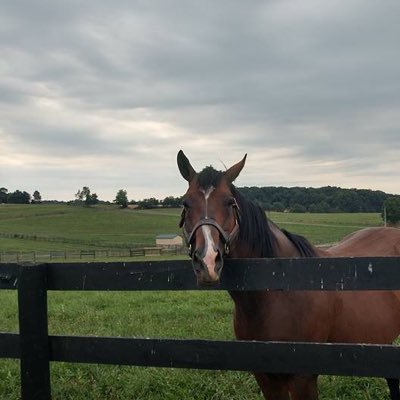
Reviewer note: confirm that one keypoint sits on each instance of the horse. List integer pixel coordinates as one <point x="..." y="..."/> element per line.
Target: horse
<point x="218" y="222"/>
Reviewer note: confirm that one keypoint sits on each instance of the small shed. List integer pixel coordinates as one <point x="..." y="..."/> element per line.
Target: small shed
<point x="169" y="241"/>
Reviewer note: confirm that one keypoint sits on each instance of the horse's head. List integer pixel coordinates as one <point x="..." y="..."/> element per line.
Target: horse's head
<point x="209" y="218"/>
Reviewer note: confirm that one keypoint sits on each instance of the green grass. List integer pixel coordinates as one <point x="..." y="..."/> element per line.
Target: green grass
<point x="63" y="227"/>
<point x="151" y="314"/>
<point x="325" y="228"/>
<point x="76" y="227"/>
<point x="355" y="220"/>
<point x="206" y="315"/>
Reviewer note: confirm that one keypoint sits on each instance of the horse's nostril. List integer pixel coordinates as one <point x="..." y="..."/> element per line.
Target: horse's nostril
<point x="219" y="262"/>
<point x="196" y="256"/>
<point x="197" y="263"/>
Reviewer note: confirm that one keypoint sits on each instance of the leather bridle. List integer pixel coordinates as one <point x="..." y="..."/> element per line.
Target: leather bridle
<point x="227" y="238"/>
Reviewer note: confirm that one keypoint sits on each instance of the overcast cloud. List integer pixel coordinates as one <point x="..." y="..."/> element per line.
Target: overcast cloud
<point x="104" y="94"/>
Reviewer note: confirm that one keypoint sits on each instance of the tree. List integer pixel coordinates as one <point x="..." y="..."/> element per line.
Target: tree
<point x="298" y="208"/>
<point x="3" y="195"/>
<point x="86" y="196"/>
<point x="82" y="194"/>
<point x="19" y="197"/>
<point x="392" y="207"/>
<point x="278" y="206"/>
<point x="37" y="198"/>
<point x="92" y="199"/>
<point x="172" y="201"/>
<point x="121" y="198"/>
<point x="148" y="203"/>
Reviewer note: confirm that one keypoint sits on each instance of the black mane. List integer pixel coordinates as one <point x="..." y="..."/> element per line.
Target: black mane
<point x="209" y="177"/>
<point x="254" y="228"/>
<point x="304" y="247"/>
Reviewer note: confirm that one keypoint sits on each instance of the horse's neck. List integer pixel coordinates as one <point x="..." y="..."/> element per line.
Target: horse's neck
<point x="250" y="304"/>
<point x="282" y="246"/>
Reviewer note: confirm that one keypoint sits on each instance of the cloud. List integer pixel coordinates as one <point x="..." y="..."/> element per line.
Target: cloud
<point x="105" y="94"/>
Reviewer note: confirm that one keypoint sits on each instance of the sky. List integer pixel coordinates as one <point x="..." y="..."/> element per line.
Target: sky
<point x="104" y="94"/>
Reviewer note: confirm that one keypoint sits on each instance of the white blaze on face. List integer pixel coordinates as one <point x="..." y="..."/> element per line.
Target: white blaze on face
<point x="207" y="194"/>
<point x="209" y="245"/>
<point x="210" y="252"/>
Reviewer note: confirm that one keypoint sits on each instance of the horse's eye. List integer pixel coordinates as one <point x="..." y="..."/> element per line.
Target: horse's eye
<point x="185" y="204"/>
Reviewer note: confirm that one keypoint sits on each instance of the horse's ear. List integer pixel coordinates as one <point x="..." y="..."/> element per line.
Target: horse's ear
<point x="233" y="172"/>
<point x="185" y="168"/>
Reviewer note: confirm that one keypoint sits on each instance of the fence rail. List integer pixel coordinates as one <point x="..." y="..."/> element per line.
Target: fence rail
<point x="274" y="357"/>
<point x="36" y="348"/>
<point x="57" y="255"/>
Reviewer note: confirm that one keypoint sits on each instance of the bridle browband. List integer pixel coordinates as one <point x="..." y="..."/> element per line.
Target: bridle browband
<point x="227" y="238"/>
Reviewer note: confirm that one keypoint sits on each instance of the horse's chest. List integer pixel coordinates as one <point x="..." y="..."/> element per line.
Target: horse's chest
<point x="282" y="316"/>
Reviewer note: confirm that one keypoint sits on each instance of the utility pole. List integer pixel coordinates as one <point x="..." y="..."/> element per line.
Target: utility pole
<point x="384" y="216"/>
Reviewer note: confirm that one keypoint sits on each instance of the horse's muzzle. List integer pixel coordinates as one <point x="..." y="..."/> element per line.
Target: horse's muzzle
<point x="207" y="269"/>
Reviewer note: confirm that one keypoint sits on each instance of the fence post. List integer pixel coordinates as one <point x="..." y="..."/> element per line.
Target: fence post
<point x="33" y="331"/>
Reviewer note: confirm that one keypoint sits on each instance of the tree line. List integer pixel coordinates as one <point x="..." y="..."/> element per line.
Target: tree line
<point x="19" y="197"/>
<point x="326" y="199"/>
<point x="295" y="199"/>
<point x="317" y="200"/>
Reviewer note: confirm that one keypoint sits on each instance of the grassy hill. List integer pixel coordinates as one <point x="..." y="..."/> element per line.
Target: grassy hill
<point x="46" y="227"/>
<point x="65" y="227"/>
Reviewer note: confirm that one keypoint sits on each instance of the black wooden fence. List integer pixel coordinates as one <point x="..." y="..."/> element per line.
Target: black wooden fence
<point x="35" y="348"/>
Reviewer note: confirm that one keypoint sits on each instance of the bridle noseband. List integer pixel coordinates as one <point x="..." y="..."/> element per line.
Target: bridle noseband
<point x="227" y="238"/>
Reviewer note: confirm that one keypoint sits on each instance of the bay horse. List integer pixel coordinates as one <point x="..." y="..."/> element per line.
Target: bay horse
<point x="218" y="222"/>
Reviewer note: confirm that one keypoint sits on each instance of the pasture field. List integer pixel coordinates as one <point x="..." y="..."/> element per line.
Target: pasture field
<point x="206" y="315"/>
<point x="64" y="227"/>
<point x="68" y="227"/>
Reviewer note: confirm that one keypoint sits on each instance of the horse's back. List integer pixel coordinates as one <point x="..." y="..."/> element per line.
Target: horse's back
<point x="373" y="316"/>
<point x="377" y="242"/>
